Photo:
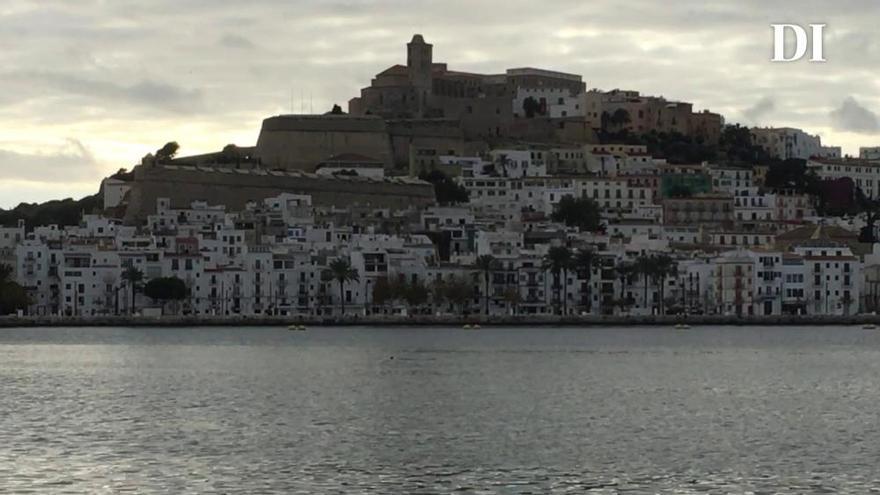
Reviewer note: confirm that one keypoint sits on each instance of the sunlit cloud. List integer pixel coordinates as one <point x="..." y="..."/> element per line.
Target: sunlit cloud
<point x="123" y="77"/>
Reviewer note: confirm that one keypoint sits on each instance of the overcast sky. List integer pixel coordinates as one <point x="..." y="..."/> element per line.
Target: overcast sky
<point x="89" y="86"/>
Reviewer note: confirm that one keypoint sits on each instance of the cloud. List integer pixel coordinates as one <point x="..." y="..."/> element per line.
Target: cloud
<point x="146" y="92"/>
<point x="69" y="162"/>
<point x="761" y="108"/>
<point x="236" y="41"/>
<point x="129" y="75"/>
<point x="853" y="117"/>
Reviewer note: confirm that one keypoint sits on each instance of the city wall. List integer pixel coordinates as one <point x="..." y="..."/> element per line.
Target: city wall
<point x="234" y="188"/>
<point x="533" y="321"/>
<point x="301" y="142"/>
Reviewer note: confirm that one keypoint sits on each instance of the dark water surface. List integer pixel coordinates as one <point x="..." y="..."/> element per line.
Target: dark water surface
<point x="362" y="410"/>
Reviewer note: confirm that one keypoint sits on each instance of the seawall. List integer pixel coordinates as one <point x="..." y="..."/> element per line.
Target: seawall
<point x="425" y="321"/>
<point x="235" y="187"/>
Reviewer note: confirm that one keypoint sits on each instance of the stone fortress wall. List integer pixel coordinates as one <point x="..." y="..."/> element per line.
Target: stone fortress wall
<point x="236" y="187"/>
<point x="301" y="142"/>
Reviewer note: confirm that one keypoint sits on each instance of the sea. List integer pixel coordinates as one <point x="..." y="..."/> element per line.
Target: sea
<point x="427" y="410"/>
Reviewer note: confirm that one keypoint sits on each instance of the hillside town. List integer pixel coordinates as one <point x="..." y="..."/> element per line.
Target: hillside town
<point x="450" y="193"/>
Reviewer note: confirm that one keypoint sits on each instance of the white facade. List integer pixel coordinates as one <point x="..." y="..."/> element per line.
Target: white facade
<point x="865" y="174"/>
<point x="869" y="152"/>
<point x="114" y="191"/>
<point x="552" y="102"/>
<point x="787" y="142"/>
<point x="520" y="163"/>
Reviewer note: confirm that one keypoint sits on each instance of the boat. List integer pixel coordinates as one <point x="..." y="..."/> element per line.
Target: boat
<point x="467" y="327"/>
<point x="682" y="326"/>
<point x="476" y="326"/>
<point x="869" y="326"/>
<point x="296" y="328"/>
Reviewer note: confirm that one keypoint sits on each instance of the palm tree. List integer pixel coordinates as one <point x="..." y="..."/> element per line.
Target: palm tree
<point x="626" y="272"/>
<point x="487" y="264"/>
<point x="133" y="276"/>
<point x="645" y="268"/>
<point x="341" y="270"/>
<point x="558" y="260"/>
<point x="664" y="267"/>
<point x="584" y="262"/>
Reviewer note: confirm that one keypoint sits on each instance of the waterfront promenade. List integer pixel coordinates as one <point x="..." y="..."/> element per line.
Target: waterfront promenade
<point x="422" y="320"/>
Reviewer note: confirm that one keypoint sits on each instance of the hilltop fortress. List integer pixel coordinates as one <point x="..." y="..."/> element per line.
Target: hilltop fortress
<point x="402" y="124"/>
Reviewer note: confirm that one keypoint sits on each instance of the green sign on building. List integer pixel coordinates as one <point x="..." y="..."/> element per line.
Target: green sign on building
<point x="678" y="185"/>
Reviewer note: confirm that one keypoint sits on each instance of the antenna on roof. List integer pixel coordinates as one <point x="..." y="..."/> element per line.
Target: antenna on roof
<point x="291" y="99"/>
<point x="311" y="108"/>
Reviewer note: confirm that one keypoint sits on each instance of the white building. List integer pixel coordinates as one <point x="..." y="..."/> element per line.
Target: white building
<point x="114" y="191"/>
<point x="869" y="152"/>
<point x="520" y="163"/>
<point x="864" y="173"/>
<point x="786" y="142"/>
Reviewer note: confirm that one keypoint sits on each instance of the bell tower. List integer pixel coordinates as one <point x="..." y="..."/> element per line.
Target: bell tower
<point x="419" y="60"/>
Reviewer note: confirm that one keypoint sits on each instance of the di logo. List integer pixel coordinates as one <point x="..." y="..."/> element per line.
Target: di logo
<point x="782" y="32"/>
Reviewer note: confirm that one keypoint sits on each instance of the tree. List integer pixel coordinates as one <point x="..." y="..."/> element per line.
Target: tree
<point x="383" y="291"/>
<point x="165" y="289"/>
<point x="626" y="273"/>
<point x="168" y="152"/>
<point x="584" y="261"/>
<point x="438" y="292"/>
<point x="620" y="117"/>
<point x="790" y="174"/>
<point x="664" y="267"/>
<point x="582" y="213"/>
<point x="341" y="270"/>
<point x="133" y="276"/>
<point x="870" y="207"/>
<point x="558" y="261"/>
<point x="61" y="212"/>
<point x="645" y="267"/>
<point x="337" y="110"/>
<point x="736" y="147"/>
<point x="458" y="291"/>
<point x="415" y="294"/>
<point x="230" y="154"/>
<point x="512" y="297"/>
<point x="531" y="107"/>
<point x="446" y="190"/>
<point x="13" y="297"/>
<point x="487" y="264"/>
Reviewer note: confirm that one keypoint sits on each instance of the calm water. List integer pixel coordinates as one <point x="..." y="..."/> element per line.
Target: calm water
<point x="259" y="410"/>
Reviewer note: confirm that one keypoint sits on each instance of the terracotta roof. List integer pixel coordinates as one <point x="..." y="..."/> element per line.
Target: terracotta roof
<point x="395" y="70"/>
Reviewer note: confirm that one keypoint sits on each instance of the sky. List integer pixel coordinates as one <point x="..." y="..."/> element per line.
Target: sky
<point x="91" y="86"/>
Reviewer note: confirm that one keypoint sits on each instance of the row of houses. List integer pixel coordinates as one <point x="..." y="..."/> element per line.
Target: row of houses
<point x="275" y="258"/>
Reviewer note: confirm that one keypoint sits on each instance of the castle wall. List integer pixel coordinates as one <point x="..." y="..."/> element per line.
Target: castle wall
<point x="300" y="142"/>
<point x="235" y="188"/>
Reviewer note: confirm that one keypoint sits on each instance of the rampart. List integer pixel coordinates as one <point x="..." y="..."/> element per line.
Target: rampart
<point x="300" y="142"/>
<point x="235" y="187"/>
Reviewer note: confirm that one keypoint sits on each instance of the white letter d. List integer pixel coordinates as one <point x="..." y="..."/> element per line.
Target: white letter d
<point x="779" y="42"/>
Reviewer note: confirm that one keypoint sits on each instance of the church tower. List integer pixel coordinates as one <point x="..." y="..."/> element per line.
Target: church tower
<point x="419" y="60"/>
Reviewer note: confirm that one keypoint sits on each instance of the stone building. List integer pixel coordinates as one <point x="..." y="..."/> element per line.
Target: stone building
<point x="652" y="113"/>
<point x="487" y="106"/>
<point x="235" y="188"/>
<point x="301" y="142"/>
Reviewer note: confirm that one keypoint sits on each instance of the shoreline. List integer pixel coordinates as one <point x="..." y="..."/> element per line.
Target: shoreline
<point x="433" y="321"/>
